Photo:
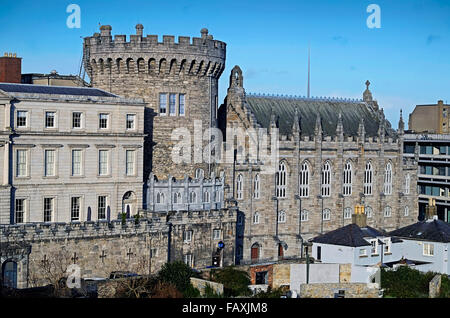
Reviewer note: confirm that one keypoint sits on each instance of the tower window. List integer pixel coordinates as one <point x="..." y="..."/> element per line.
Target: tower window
<point x="162" y="104"/>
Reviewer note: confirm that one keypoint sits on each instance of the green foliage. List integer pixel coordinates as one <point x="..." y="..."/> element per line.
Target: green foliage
<point x="271" y="293"/>
<point x="445" y="287"/>
<point x="211" y="293"/>
<point x="406" y="282"/>
<point x="136" y="219"/>
<point x="179" y="274"/>
<point x="123" y="217"/>
<point x="235" y="282"/>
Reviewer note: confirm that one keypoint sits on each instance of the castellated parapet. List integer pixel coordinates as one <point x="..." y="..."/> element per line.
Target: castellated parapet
<point x="101" y="247"/>
<point x="180" y="77"/>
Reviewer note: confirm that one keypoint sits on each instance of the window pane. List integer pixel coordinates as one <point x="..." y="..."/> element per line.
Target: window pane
<point x="162" y="103"/>
<point x="75" y="209"/>
<point x="103" y="162"/>
<point x="182" y="104"/>
<point x="103" y="121"/>
<point x="49" y="119"/>
<point x="130" y="121"/>
<point x="49" y="162"/>
<point x="172" y="99"/>
<point x="48" y="209"/>
<point x="21" y="163"/>
<point x="20" y="210"/>
<point x="130" y="162"/>
<point x="76" y="162"/>
<point x="101" y="207"/>
<point x="21" y="119"/>
<point x="76" y="120"/>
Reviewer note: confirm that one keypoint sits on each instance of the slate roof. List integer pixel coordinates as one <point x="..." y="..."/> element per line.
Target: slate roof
<point x="435" y="231"/>
<point x="284" y="107"/>
<point x="54" y="90"/>
<point x="350" y="235"/>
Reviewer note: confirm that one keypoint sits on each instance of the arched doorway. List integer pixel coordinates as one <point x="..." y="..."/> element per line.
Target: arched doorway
<point x="254" y="255"/>
<point x="9" y="274"/>
<point x="129" y="203"/>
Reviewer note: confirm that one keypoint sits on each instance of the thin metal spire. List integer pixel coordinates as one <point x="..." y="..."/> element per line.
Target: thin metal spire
<point x="309" y="70"/>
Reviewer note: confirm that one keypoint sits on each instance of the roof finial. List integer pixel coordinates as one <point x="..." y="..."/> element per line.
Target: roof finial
<point x="367" y="84"/>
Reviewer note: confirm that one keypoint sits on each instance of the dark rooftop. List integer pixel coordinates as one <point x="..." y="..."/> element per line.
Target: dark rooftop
<point x="284" y="107"/>
<point x="54" y="90"/>
<point x="350" y="235"/>
<point x="435" y="231"/>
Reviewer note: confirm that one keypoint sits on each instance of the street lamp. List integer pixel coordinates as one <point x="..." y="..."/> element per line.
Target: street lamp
<point x="307" y="244"/>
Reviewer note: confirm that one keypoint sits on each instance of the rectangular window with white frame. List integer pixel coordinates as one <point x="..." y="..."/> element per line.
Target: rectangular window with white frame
<point x="22" y="119"/>
<point x="76" y="120"/>
<point x="428" y="249"/>
<point x="131" y="122"/>
<point x="75" y="206"/>
<point x="374" y="249"/>
<point x="49" y="162"/>
<point x="49" y="207"/>
<point x="187" y="236"/>
<point x="50" y="119"/>
<point x="103" y="121"/>
<point x="130" y="163"/>
<point x="20" y="209"/>
<point x="103" y="161"/>
<point x="188" y="259"/>
<point x="101" y="207"/>
<point x="22" y="163"/>
<point x="387" y="245"/>
<point x="216" y="234"/>
<point x="77" y="162"/>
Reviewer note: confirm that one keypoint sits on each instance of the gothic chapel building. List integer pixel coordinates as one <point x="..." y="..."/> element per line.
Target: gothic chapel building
<point x="334" y="154"/>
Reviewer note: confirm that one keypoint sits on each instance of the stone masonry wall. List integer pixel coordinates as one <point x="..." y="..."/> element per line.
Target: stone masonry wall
<point x="352" y="290"/>
<point x="144" y="68"/>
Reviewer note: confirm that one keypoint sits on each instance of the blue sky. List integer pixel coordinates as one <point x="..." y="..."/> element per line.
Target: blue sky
<point x="407" y="60"/>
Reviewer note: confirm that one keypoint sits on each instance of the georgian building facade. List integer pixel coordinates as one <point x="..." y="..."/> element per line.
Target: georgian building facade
<point x="69" y="154"/>
<point x="333" y="155"/>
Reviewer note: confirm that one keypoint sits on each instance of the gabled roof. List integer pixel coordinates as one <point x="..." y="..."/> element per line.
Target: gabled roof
<point x="350" y="235"/>
<point x="53" y="90"/>
<point x="435" y="231"/>
<point x="284" y="107"/>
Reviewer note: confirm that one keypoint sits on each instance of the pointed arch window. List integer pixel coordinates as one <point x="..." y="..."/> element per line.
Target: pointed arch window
<point x="199" y="173"/>
<point x="368" y="179"/>
<point x="282" y="217"/>
<point x="407" y="183"/>
<point x="347" y="179"/>
<point x="256" y="218"/>
<point x="304" y="215"/>
<point x="369" y="212"/>
<point x="326" y="180"/>
<point x="160" y="198"/>
<point x="326" y="214"/>
<point x="281" y="180"/>
<point x="388" y="179"/>
<point x="240" y="187"/>
<point x="406" y="211"/>
<point x="177" y="197"/>
<point x="387" y="212"/>
<point x="304" y="180"/>
<point x="206" y="197"/>
<point x="256" y="186"/>
<point x="192" y="197"/>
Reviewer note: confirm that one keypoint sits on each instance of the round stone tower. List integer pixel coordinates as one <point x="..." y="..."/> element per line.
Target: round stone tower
<point x="177" y="80"/>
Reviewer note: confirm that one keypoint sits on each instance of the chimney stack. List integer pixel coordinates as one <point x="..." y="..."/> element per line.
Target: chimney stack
<point x="10" y="68"/>
<point x="359" y="217"/>
<point x="431" y="210"/>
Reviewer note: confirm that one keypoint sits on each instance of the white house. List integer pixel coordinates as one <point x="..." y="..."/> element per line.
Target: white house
<point x="426" y="245"/>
